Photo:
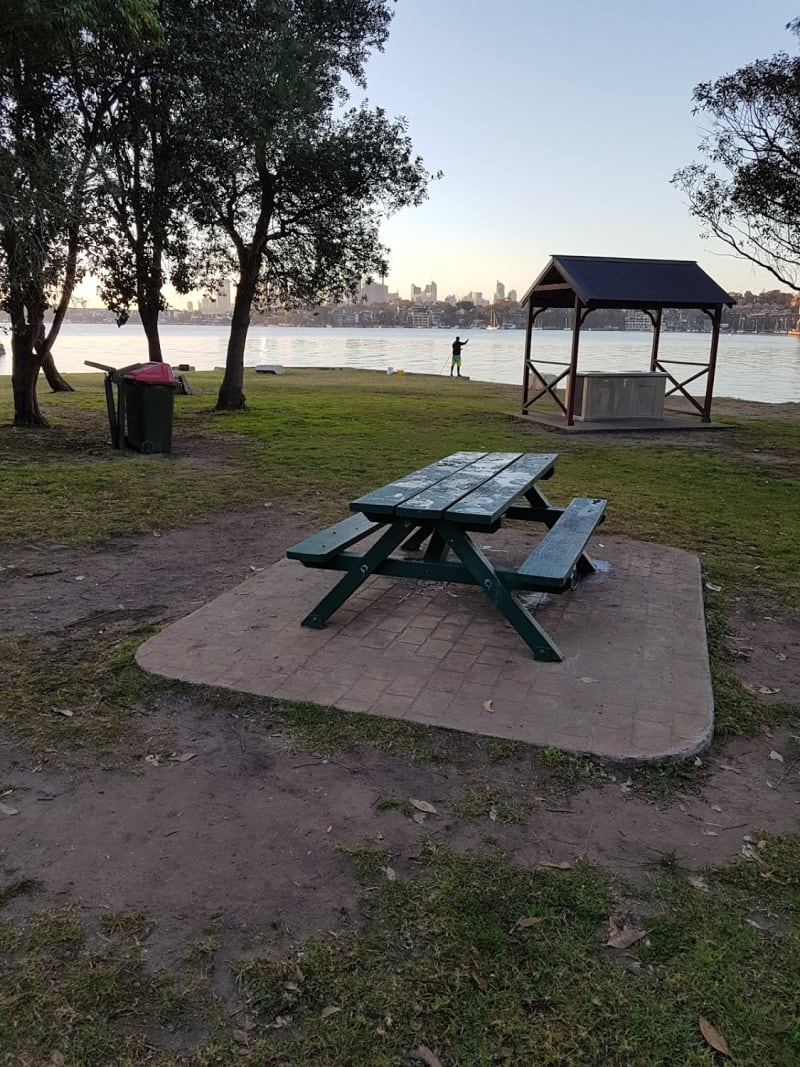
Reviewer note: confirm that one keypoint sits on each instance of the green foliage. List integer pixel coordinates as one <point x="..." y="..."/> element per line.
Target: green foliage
<point x="746" y="194"/>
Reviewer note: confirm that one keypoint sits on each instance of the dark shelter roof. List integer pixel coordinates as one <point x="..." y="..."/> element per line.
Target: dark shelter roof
<point x="625" y="283"/>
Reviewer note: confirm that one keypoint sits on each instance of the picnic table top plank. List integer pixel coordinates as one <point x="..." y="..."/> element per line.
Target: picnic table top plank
<point x="558" y="551"/>
<point x="385" y="500"/>
<point x="433" y="503"/>
<point x="487" y="503"/>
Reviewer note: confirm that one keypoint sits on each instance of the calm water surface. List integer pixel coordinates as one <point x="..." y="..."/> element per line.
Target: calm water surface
<point x="762" y="367"/>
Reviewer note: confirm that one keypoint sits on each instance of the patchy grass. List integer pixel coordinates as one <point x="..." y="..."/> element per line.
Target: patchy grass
<point x="479" y="961"/>
<point x="706" y="500"/>
<point x="19" y="888"/>
<point x="64" y="1002"/>
<point x="76" y="691"/>
<point x="484" y="802"/>
<point x="442" y="962"/>
<point x="569" y="771"/>
<point x="737" y="711"/>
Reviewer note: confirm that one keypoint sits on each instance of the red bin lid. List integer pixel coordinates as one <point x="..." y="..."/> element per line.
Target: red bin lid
<point x="155" y="373"/>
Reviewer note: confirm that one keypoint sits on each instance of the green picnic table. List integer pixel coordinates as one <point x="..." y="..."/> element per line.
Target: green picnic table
<point x="438" y="507"/>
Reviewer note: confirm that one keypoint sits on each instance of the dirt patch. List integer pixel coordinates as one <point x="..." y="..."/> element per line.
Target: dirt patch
<point x="171" y="574"/>
<point x="765" y="645"/>
<point x="255" y="832"/>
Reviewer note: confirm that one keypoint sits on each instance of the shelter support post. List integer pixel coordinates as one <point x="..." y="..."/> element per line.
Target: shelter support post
<point x="526" y="367"/>
<point x="716" y="321"/>
<point x="578" y="316"/>
<point x="656" y="321"/>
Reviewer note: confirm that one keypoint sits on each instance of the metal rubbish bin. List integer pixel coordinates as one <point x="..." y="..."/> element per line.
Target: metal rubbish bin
<point x="149" y="405"/>
<point x="142" y="414"/>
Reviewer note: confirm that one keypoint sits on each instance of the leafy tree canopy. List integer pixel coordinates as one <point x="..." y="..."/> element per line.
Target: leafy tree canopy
<point x="747" y="192"/>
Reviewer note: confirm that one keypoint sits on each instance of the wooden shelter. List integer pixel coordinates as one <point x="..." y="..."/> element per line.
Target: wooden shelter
<point x="585" y="283"/>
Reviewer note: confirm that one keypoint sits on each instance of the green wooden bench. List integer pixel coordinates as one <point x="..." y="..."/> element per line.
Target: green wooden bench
<point x="559" y="556"/>
<point x="322" y="546"/>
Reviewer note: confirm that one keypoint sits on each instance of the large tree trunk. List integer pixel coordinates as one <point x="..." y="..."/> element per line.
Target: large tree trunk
<point x="149" y="316"/>
<point x="231" y="397"/>
<point x="54" y="379"/>
<point x="25" y="366"/>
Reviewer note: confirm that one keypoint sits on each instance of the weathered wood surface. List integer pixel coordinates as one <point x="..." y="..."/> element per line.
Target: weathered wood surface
<point x="433" y="503"/>
<point x="555" y="557"/>
<point x="324" y="545"/>
<point x="491" y="500"/>
<point x="385" y="500"/>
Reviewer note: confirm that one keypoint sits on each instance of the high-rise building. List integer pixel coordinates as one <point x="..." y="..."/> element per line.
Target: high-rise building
<point x="416" y="293"/>
<point x="374" y="293"/>
<point x="512" y="295"/>
<point x="430" y="293"/>
<point x="499" y="291"/>
<point x="220" y="302"/>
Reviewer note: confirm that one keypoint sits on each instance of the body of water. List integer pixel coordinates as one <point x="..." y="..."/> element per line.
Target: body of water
<point x="763" y="367"/>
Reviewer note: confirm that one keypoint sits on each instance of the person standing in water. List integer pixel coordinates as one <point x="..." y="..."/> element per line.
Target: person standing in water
<point x="458" y="344"/>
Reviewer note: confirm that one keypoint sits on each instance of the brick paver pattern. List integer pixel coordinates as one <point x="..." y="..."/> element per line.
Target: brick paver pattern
<point x="634" y="683"/>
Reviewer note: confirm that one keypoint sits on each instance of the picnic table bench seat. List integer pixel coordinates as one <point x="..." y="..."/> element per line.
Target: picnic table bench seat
<point x="557" y="557"/>
<point x="322" y="546"/>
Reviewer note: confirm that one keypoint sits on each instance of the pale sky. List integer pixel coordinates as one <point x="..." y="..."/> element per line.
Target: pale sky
<point x="558" y="127"/>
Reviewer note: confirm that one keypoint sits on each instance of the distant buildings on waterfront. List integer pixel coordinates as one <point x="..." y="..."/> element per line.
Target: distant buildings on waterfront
<point x="373" y="305"/>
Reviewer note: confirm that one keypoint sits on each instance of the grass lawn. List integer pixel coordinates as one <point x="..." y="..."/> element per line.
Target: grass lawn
<point x="463" y="960"/>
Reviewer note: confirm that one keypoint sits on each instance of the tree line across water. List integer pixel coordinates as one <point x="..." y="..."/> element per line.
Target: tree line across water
<point x="182" y="141"/>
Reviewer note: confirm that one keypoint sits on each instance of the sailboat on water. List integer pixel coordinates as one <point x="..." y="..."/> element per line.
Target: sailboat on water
<point x="492" y="321"/>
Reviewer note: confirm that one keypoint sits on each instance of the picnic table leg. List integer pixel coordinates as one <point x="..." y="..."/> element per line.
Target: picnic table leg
<point x="537" y="499"/>
<point x="534" y="636"/>
<point x="372" y="558"/>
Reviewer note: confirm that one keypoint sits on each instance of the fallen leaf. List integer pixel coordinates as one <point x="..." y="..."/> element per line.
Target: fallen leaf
<point x="713" y="588"/>
<point x="709" y="833"/>
<point x="6" y="810"/>
<point x="526" y="923"/>
<point x="328" y="829"/>
<point x="487" y="705"/>
<point x="427" y="1057"/>
<point x="768" y="690"/>
<point x="713" y="1037"/>
<point x="479" y="982"/>
<point x="493" y="814"/>
<point x="698" y="883"/>
<point x="423" y="805"/>
<point x="782" y="1026"/>
<point x="620" y="935"/>
<point x="241" y="1037"/>
<point x="557" y="865"/>
<point x="391" y="876"/>
<point x="419" y="816"/>
<point x="291" y="987"/>
<point x="761" y="845"/>
<point x="280" y="1022"/>
<point x="153" y="760"/>
<point x="182" y="757"/>
<point x="776" y="756"/>
<point x="716" y="807"/>
<point x="64" y="711"/>
<point x="80" y="577"/>
<point x="588" y="681"/>
<point x="330" y="1010"/>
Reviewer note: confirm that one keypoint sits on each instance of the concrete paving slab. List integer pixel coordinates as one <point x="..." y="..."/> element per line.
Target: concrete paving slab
<point x="634" y="682"/>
